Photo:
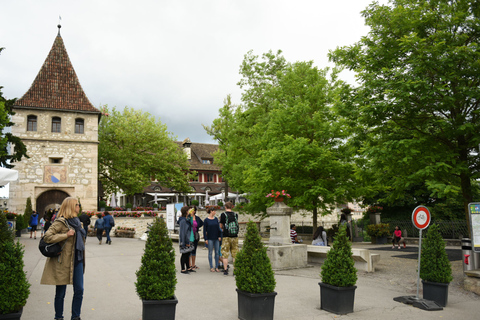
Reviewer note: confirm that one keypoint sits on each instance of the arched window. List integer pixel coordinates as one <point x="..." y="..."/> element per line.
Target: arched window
<point x="56" y="124"/>
<point x="79" y="125"/>
<point x="32" y="123"/>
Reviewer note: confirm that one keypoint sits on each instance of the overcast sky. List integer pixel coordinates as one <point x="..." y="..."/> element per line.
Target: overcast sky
<point x="177" y="60"/>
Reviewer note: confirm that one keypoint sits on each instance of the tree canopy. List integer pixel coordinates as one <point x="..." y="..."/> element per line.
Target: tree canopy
<point x="135" y="148"/>
<point x="18" y="150"/>
<point x="285" y="135"/>
<point x="416" y="107"/>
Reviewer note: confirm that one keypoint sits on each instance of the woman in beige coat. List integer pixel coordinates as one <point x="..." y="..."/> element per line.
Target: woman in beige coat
<point x="69" y="266"/>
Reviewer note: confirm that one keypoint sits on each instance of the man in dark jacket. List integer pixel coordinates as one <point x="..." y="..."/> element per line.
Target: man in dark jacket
<point x="109" y="224"/>
<point x="85" y="219"/>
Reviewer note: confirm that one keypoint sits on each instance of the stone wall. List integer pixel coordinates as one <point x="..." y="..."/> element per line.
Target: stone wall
<point x="71" y="157"/>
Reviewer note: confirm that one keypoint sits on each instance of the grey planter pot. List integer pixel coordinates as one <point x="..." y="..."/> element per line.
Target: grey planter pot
<point x="12" y="316"/>
<point x="255" y="306"/>
<point x="159" y="309"/>
<point x="337" y="300"/>
<point x="436" y="291"/>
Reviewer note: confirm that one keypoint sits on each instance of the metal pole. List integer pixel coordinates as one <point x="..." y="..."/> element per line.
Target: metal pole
<point x="419" y="257"/>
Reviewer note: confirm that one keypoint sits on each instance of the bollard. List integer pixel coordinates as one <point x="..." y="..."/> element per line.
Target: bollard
<point x="467" y="253"/>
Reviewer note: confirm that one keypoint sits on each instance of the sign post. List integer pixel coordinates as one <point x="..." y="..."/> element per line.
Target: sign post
<point x="421" y="219"/>
<point x="474" y="212"/>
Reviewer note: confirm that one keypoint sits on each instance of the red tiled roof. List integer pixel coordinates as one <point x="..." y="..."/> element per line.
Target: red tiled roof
<point x="56" y="85"/>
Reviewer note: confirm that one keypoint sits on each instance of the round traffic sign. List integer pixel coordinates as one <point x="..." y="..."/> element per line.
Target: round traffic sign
<point x="421" y="217"/>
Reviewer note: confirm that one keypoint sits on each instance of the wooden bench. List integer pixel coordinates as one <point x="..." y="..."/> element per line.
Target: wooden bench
<point x="364" y="259"/>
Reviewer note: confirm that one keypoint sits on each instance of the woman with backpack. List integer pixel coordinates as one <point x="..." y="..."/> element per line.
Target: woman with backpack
<point x="99" y="227"/>
<point x="69" y="266"/>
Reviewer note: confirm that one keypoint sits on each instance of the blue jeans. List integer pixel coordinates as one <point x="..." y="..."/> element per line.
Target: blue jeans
<point x="77" y="294"/>
<point x="213" y="245"/>
<point x="107" y="232"/>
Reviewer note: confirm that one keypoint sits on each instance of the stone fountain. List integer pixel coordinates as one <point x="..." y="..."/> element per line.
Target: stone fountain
<point x="282" y="252"/>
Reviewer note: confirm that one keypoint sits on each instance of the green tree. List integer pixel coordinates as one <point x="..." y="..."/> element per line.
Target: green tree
<point x="418" y="99"/>
<point x="253" y="270"/>
<point x="135" y="148"/>
<point x="156" y="278"/>
<point x="285" y="135"/>
<point x="28" y="210"/>
<point x="9" y="155"/>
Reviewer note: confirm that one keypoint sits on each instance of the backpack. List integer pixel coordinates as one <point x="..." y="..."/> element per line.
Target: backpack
<point x="51" y="249"/>
<point x="231" y="225"/>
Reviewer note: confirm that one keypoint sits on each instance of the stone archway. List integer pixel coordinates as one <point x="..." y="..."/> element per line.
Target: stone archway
<point x="51" y="199"/>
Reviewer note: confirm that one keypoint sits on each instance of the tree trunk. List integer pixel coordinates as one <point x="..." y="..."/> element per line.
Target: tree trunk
<point x="315" y="219"/>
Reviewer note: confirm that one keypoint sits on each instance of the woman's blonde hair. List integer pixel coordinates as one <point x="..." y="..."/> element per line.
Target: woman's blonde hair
<point x="67" y="210"/>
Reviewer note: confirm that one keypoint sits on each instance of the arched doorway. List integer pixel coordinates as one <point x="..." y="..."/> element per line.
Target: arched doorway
<point x="51" y="199"/>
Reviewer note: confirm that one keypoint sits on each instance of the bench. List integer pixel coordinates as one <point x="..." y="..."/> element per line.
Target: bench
<point x="364" y="259"/>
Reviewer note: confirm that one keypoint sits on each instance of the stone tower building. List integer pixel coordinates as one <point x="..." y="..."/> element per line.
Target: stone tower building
<point x="59" y="126"/>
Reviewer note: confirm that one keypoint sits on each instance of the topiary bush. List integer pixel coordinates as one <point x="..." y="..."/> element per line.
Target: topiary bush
<point x="13" y="280"/>
<point x="20" y="222"/>
<point x="253" y="270"/>
<point x="195" y="203"/>
<point x="434" y="264"/>
<point x="28" y="211"/>
<point x="339" y="268"/>
<point x="156" y="278"/>
<point x="129" y="206"/>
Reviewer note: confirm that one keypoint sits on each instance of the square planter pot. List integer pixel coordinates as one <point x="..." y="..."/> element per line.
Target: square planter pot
<point x="12" y="316"/>
<point x="159" y="309"/>
<point x="436" y="291"/>
<point x="255" y="306"/>
<point x="338" y="300"/>
<point x="382" y="240"/>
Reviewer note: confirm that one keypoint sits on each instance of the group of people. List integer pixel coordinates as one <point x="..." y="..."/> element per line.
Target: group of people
<point x="104" y="223"/>
<point x="221" y="238"/>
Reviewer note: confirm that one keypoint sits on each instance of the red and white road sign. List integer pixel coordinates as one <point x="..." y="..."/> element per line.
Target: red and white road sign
<point x="421" y="217"/>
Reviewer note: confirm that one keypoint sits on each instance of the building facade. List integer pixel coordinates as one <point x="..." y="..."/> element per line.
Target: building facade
<point x="59" y="126"/>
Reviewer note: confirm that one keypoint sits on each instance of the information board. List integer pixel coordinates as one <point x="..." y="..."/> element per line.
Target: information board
<point x="474" y="212"/>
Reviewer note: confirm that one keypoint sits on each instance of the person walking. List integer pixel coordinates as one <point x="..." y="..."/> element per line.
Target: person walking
<point x="99" y="227"/>
<point x="320" y="237"/>
<point x="211" y="234"/>
<point x="197" y="223"/>
<point x="33" y="223"/>
<point x="184" y="239"/>
<point x="109" y="223"/>
<point x="42" y="226"/>
<point x="85" y="219"/>
<point x="229" y="225"/>
<point x="69" y="266"/>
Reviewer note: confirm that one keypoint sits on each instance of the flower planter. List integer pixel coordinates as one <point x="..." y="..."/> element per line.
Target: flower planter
<point x="159" y="309"/>
<point x="12" y="316"/>
<point x="436" y="291"/>
<point x="382" y="240"/>
<point x="255" y="306"/>
<point x="338" y="300"/>
<point x="124" y="234"/>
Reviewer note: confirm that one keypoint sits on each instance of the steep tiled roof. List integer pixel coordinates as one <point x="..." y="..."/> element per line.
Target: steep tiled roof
<point x="199" y="152"/>
<point x="56" y="85"/>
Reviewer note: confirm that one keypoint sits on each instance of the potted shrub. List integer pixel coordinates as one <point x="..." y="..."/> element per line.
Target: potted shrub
<point x="102" y="204"/>
<point x="155" y="207"/>
<point x="254" y="278"/>
<point x="339" y="276"/>
<point x="220" y="203"/>
<point x="13" y="281"/>
<point x="129" y="206"/>
<point x="379" y="232"/>
<point x="156" y="278"/>
<point x="435" y="268"/>
<point x="20" y="224"/>
<point x="195" y="203"/>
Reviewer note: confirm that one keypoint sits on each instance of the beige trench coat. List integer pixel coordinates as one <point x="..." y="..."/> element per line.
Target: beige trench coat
<point x="59" y="270"/>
